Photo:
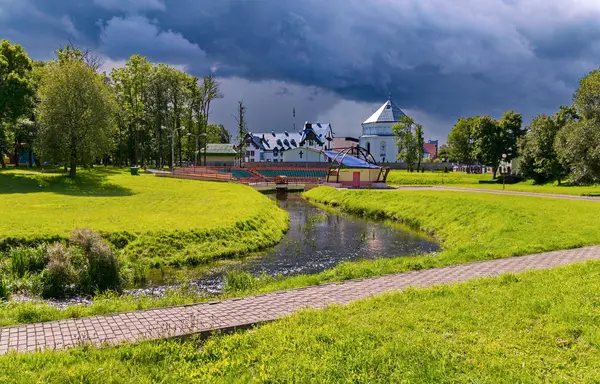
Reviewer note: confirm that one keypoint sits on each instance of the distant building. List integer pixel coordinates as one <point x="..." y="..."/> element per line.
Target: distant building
<point x="345" y="142"/>
<point x="379" y="139"/>
<point x="218" y="155"/>
<point x="271" y="147"/>
<point x="430" y="150"/>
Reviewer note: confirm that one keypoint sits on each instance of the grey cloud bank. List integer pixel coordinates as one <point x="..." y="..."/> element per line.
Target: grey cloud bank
<point x="441" y="59"/>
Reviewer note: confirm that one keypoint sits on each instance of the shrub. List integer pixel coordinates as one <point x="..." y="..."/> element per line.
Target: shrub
<point x="24" y="260"/>
<point x="238" y="281"/>
<point x="58" y="277"/>
<point x="4" y="290"/>
<point x="101" y="270"/>
<point x="85" y="238"/>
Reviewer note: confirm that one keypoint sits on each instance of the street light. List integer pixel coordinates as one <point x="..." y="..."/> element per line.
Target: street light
<point x="503" y="170"/>
<point x="197" y="151"/>
<point x="173" y="146"/>
<point x="444" y="171"/>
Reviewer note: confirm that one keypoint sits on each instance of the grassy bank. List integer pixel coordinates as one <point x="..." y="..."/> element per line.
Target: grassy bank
<point x="460" y="179"/>
<point x="156" y="220"/>
<point x="469" y="226"/>
<point x="514" y="328"/>
<point x="401" y="177"/>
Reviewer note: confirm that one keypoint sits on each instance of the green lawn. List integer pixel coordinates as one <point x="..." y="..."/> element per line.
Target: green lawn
<point x="555" y="189"/>
<point x="463" y="180"/>
<point x="469" y="226"/>
<point x="161" y="220"/>
<point x="533" y="327"/>
<point x="400" y="177"/>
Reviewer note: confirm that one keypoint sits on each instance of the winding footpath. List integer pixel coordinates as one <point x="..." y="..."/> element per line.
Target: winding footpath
<point x="244" y="312"/>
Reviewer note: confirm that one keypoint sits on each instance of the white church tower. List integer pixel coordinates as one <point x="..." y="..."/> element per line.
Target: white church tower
<point x="378" y="137"/>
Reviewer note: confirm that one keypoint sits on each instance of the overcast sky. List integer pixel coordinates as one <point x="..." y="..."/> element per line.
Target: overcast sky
<point x="337" y="60"/>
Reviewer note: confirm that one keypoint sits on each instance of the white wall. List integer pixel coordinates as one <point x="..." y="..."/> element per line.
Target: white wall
<point x="388" y="150"/>
<point x="308" y="156"/>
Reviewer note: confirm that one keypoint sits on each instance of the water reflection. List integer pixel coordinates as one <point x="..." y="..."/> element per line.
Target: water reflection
<point x="318" y="240"/>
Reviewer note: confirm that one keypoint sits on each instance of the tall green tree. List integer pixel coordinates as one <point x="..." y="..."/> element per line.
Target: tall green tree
<point x="461" y="141"/>
<point x="578" y="150"/>
<point x="443" y="152"/>
<point x="75" y="114"/>
<point x="16" y="89"/>
<point x="586" y="99"/>
<point x="131" y="89"/>
<point x="539" y="160"/>
<point x="410" y="144"/>
<point x="242" y="130"/>
<point x="210" y="93"/>
<point x="489" y="143"/>
<point x="218" y="134"/>
<point x="512" y="124"/>
<point x="420" y="143"/>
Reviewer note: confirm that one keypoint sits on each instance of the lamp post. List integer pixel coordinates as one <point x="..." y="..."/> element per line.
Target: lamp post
<point x="173" y="147"/>
<point x="444" y="171"/>
<point x="197" y="151"/>
<point x="503" y="170"/>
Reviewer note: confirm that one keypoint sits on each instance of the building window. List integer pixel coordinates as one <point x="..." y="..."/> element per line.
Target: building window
<point x="382" y="149"/>
<point x="368" y="147"/>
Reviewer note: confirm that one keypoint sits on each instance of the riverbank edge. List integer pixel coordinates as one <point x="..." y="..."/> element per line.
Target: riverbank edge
<point x="258" y="285"/>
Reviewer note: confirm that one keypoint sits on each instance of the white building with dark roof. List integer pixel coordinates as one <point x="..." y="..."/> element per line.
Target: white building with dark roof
<point x="270" y="147"/>
<point x="378" y="137"/>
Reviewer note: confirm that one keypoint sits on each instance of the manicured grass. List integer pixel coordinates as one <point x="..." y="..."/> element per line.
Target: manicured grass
<point x="159" y="220"/>
<point x="514" y="328"/>
<point x="460" y="179"/>
<point x="399" y="177"/>
<point x="469" y="226"/>
<point x="555" y="189"/>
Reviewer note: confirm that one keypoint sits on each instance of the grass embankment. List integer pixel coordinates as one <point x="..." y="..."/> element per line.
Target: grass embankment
<point x="469" y="226"/>
<point x="463" y="180"/>
<point x="514" y="328"/>
<point x="400" y="177"/>
<point x="155" y="220"/>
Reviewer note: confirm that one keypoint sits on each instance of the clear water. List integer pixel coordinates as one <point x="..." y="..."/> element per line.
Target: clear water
<point x="318" y="240"/>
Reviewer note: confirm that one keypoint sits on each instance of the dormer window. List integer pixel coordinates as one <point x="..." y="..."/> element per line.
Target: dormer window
<point x="388" y="106"/>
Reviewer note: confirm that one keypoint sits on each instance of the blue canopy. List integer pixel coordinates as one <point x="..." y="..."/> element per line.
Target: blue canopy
<point x="349" y="160"/>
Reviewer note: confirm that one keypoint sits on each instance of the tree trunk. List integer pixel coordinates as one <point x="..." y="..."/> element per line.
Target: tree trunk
<point x="2" y="161"/>
<point x="73" y="165"/>
<point x="495" y="171"/>
<point x="73" y="169"/>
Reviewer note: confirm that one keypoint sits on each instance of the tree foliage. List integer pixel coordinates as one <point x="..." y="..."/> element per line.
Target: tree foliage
<point x="460" y="141"/>
<point x="75" y="114"/>
<point x="409" y="139"/>
<point x="511" y="124"/>
<point x="490" y="141"/>
<point x="16" y="90"/>
<point x="539" y="160"/>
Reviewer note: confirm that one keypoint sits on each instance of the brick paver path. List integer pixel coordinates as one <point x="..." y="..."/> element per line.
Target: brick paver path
<point x="495" y="191"/>
<point x="245" y="311"/>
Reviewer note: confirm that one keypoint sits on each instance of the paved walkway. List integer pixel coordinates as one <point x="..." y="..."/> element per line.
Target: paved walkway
<point x="246" y="311"/>
<point x="496" y="191"/>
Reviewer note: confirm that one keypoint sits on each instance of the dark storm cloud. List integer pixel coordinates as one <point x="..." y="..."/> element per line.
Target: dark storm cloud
<point x="444" y="58"/>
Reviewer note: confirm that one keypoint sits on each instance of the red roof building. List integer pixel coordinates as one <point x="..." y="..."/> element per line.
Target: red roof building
<point x="430" y="150"/>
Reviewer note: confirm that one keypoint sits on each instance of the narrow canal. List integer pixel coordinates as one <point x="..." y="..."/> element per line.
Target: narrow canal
<point x="318" y="240"/>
